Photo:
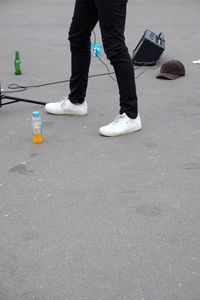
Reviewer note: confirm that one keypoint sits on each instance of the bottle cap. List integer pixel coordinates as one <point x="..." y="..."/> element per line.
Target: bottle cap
<point x="35" y="113"/>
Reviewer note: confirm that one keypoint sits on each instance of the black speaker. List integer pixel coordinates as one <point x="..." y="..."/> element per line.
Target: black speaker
<point x="149" y="49"/>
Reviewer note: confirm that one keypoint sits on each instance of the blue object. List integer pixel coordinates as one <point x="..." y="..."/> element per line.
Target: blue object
<point x="35" y="113"/>
<point x="96" y="49"/>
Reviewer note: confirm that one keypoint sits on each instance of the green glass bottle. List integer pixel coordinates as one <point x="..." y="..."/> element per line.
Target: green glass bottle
<point x="17" y="62"/>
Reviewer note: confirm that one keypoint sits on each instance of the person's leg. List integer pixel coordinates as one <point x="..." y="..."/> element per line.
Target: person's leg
<point x="84" y="20"/>
<point x="112" y="17"/>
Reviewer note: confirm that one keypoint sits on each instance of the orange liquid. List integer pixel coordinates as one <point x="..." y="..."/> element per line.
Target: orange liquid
<point x="37" y="138"/>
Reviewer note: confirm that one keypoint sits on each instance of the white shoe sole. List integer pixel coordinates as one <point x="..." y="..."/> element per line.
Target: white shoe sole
<point x="51" y="110"/>
<point x="112" y="134"/>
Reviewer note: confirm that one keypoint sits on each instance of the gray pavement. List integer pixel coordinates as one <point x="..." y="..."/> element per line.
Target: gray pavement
<point x="88" y="217"/>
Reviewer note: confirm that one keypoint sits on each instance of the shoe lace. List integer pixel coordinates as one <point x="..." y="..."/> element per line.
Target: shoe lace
<point x="119" y="119"/>
<point x="62" y="100"/>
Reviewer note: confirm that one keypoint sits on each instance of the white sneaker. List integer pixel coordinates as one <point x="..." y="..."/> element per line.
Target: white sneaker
<point x="66" y="107"/>
<point x="121" y="125"/>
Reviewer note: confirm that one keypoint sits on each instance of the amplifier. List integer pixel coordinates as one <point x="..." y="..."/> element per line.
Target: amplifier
<point x="149" y="49"/>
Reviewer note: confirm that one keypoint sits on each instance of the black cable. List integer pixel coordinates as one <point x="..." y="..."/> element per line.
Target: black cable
<point x="23" y="88"/>
<point x="20" y="88"/>
<point x="109" y="73"/>
<point x="147" y="68"/>
<point x="16" y="87"/>
<point x="95" y="37"/>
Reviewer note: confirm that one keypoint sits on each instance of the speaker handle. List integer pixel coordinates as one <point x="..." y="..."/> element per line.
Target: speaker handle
<point x="160" y="36"/>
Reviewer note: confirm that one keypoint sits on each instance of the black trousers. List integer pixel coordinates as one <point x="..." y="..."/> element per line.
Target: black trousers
<point x="111" y="15"/>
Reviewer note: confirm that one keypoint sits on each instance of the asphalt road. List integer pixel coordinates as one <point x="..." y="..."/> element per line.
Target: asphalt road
<point x="88" y="217"/>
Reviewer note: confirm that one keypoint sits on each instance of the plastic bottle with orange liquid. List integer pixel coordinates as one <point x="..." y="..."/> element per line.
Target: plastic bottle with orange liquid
<point x="37" y="137"/>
